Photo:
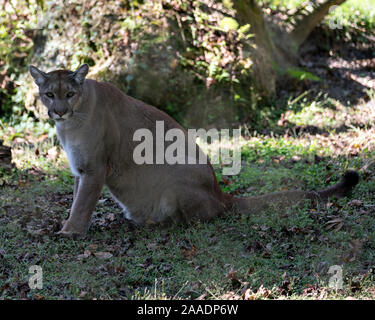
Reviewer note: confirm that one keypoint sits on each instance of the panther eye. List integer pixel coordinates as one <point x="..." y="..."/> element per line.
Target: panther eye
<point x="49" y="95"/>
<point x="70" y="94"/>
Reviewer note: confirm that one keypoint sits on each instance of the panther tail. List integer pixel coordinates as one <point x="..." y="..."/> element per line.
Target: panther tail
<point x="287" y="198"/>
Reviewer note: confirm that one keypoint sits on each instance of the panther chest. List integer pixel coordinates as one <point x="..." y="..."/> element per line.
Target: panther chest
<point x="76" y="158"/>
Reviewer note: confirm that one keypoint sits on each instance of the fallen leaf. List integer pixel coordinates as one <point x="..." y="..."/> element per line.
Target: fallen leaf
<point x="355" y="250"/>
<point x="201" y="297"/>
<point x="84" y="255"/>
<point x="334" y="224"/>
<point x="52" y="153"/>
<point x="248" y="295"/>
<point x="4" y="287"/>
<point x="38" y="232"/>
<point x="42" y="137"/>
<point x="355" y="203"/>
<point x="93" y="246"/>
<point x="263" y="292"/>
<point x="226" y="181"/>
<point x="232" y="276"/>
<point x="188" y="253"/>
<point x="355" y="286"/>
<point x="102" y="255"/>
<point x="250" y="271"/>
<point x="23" y="289"/>
<point x="21" y="183"/>
<point x="119" y="269"/>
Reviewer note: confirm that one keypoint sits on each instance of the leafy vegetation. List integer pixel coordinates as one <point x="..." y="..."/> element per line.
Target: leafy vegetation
<point x="196" y="46"/>
<point x="184" y="56"/>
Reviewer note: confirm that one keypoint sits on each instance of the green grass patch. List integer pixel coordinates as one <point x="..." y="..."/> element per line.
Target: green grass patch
<point x="273" y="254"/>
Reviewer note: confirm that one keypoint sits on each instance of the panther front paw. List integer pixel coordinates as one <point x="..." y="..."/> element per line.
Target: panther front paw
<point x="69" y="231"/>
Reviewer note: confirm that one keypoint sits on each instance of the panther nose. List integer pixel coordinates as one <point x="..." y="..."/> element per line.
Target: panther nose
<point x="60" y="113"/>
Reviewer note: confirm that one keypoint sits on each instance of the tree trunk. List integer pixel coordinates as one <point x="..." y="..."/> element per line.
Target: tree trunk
<point x="248" y="12"/>
<point x="5" y="157"/>
<point x="277" y="49"/>
<point x="309" y="22"/>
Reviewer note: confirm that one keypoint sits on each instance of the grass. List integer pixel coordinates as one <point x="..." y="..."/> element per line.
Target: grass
<point x="270" y="255"/>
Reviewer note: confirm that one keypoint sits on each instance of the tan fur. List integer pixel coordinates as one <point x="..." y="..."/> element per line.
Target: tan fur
<point x="96" y="128"/>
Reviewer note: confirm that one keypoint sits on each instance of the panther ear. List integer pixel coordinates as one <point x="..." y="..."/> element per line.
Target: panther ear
<point x="39" y="76"/>
<point x="80" y="74"/>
